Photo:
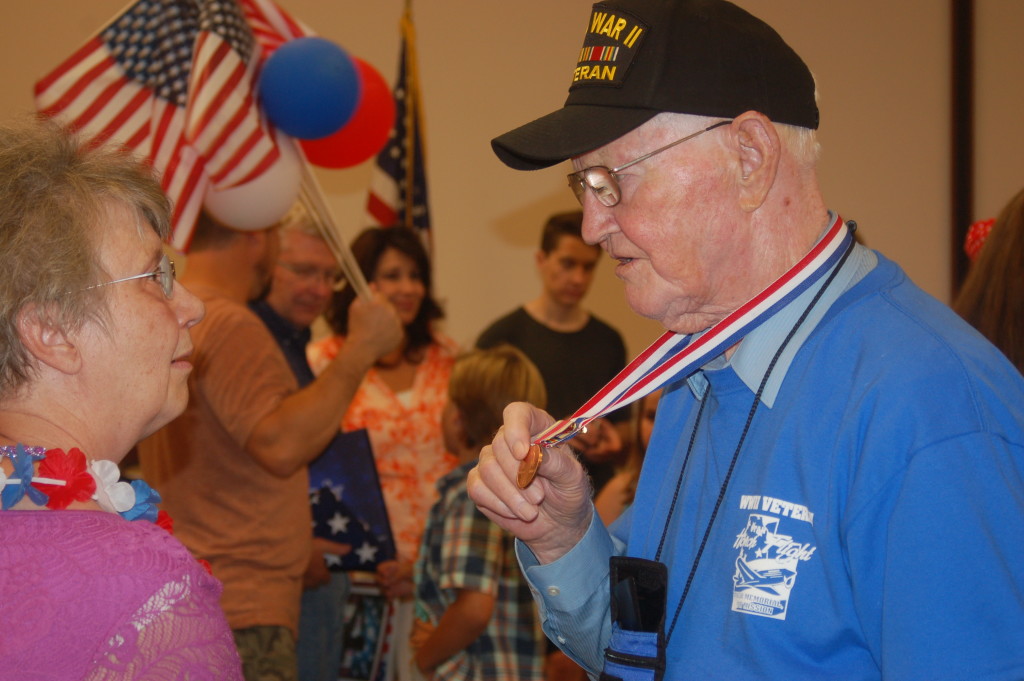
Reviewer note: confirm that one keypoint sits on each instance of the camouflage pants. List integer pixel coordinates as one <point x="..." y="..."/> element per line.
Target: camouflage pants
<point x="268" y="653"/>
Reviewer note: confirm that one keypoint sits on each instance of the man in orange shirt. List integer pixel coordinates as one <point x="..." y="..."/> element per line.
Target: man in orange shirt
<point x="232" y="468"/>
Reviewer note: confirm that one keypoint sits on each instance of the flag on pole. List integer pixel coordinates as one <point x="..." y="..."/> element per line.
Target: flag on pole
<point x="398" y="190"/>
<point x="174" y="81"/>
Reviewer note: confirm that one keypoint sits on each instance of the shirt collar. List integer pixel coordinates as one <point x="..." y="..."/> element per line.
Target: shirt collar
<point x="454" y="476"/>
<point x="280" y="327"/>
<point x="755" y="352"/>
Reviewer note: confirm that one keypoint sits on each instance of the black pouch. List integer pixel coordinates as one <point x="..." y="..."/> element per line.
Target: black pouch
<point x="639" y="590"/>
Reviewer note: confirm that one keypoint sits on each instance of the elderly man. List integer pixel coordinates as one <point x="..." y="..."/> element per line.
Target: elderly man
<point x="303" y="281"/>
<point x="301" y="285"/>
<point x="837" y="458"/>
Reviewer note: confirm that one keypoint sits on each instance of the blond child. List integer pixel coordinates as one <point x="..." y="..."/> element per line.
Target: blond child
<point x="475" y="616"/>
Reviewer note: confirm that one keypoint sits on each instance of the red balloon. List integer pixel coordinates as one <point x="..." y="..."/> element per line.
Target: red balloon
<point x="366" y="132"/>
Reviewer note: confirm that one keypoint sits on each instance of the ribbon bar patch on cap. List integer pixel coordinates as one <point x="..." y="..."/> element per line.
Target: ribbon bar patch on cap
<point x="611" y="42"/>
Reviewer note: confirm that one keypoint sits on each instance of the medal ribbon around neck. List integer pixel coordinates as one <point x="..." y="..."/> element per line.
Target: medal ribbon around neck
<point x="676" y="354"/>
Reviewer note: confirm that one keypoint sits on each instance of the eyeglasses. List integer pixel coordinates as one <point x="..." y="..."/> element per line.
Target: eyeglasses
<point x="164" y="274"/>
<point x="330" y="277"/>
<point x="602" y="180"/>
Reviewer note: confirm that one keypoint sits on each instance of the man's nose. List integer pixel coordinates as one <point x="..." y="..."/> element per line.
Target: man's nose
<point x="598" y="220"/>
<point x="323" y="284"/>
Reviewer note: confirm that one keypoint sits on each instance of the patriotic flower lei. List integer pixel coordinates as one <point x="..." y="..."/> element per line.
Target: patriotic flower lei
<point x="64" y="477"/>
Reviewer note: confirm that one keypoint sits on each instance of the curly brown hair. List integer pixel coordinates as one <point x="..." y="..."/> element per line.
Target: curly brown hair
<point x="368" y="248"/>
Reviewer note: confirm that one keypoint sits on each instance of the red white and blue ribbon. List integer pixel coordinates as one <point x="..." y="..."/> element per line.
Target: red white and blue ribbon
<point x="681" y="355"/>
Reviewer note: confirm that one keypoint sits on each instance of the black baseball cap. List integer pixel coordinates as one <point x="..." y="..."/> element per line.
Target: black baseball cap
<point x="644" y="57"/>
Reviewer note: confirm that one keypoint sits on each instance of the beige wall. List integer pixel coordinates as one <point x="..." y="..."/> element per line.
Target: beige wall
<point x="883" y="76"/>
<point x="999" y="143"/>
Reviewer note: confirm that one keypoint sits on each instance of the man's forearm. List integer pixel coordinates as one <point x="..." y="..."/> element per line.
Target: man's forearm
<point x="303" y="423"/>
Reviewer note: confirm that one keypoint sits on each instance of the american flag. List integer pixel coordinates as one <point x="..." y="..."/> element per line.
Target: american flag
<point x="347" y="502"/>
<point x="398" y="190"/>
<point x="173" y="80"/>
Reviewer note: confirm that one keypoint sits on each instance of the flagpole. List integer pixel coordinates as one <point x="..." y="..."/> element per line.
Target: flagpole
<point x="111" y="20"/>
<point x="311" y="197"/>
<point x="411" y="112"/>
<point x="398" y="191"/>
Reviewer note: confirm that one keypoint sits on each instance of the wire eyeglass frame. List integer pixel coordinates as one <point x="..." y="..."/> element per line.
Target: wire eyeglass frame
<point x="602" y="180"/>
<point x="164" y="274"/>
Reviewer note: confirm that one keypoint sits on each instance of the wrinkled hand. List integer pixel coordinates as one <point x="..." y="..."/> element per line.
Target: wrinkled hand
<point x="601" y="443"/>
<point x="317" y="573"/>
<point x="394" y="577"/>
<point x="552" y="514"/>
<point x="374" y="325"/>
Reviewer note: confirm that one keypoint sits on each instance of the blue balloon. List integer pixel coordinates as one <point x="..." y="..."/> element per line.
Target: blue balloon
<point x="309" y="88"/>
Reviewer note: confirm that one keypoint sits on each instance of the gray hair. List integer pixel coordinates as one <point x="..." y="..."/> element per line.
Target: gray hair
<point x="800" y="143"/>
<point x="55" y="193"/>
<point x="298" y="219"/>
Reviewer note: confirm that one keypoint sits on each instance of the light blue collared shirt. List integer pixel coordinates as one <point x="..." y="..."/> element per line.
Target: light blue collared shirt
<point x="755" y="352"/>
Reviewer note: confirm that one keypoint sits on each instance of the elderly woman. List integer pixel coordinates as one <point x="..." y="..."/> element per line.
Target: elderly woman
<point x="94" y="355"/>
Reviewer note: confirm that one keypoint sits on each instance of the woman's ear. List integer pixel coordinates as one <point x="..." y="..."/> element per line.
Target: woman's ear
<point x="760" y="152"/>
<point x="47" y="342"/>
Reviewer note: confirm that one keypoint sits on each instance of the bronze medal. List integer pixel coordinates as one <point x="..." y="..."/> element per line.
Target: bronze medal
<point x="528" y="466"/>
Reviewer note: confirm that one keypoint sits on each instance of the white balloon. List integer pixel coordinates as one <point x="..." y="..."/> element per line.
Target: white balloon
<point x="263" y="202"/>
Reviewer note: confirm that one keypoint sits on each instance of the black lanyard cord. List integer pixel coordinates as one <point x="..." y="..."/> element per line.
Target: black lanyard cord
<point x="739" y="445"/>
<point x="679" y="480"/>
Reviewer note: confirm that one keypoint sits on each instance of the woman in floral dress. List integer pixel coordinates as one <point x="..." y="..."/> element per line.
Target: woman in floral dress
<point x="399" y="403"/>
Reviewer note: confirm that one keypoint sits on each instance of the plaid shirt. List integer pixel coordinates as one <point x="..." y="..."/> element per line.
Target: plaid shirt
<point x="462" y="549"/>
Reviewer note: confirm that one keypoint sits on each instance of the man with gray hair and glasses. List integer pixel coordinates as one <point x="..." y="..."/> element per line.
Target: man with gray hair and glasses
<point x="837" y="458"/>
<point x="303" y="281"/>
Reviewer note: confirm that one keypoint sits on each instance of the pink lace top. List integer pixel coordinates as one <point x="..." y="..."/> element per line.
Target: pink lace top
<point x="89" y="595"/>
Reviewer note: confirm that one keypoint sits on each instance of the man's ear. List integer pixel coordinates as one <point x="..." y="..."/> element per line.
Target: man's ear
<point x="539" y="257"/>
<point x="47" y="342"/>
<point x="760" y="152"/>
<point x="255" y="242"/>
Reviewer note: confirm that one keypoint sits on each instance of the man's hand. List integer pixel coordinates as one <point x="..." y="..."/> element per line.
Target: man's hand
<point x="317" y="573"/>
<point x="374" y="326"/>
<point x="553" y="513"/>
<point x="601" y="442"/>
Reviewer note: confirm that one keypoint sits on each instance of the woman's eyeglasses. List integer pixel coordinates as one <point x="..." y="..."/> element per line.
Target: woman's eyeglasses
<point x="163" y="274"/>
